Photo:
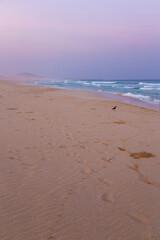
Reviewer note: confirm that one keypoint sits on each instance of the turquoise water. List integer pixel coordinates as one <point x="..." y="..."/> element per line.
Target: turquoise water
<point x="135" y="91"/>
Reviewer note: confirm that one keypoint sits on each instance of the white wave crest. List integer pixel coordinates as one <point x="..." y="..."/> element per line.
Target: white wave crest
<point x="96" y="84"/>
<point x="86" y="83"/>
<point x="128" y="87"/>
<point x="142" y="98"/>
<point x="149" y="88"/>
<point x="156" y="101"/>
<point x="103" y="82"/>
<point x="138" y="96"/>
<point x="150" y="84"/>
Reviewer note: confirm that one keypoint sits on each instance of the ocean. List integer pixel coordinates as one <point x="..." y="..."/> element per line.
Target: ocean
<point x="138" y="92"/>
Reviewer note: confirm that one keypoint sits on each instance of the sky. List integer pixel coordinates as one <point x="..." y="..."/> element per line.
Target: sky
<point x="95" y="39"/>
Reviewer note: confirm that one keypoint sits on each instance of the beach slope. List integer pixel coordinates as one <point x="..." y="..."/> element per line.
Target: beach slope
<point x="71" y="168"/>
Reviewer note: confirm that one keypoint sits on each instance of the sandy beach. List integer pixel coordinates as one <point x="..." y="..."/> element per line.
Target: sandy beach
<point x="71" y="168"/>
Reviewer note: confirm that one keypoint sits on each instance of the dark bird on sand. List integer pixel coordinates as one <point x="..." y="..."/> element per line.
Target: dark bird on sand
<point x="114" y="108"/>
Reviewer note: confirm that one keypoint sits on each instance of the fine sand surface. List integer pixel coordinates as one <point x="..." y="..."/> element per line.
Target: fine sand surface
<point x="71" y="168"/>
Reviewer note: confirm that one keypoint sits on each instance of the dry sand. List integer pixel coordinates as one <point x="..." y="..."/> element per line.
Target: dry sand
<point x="71" y="168"/>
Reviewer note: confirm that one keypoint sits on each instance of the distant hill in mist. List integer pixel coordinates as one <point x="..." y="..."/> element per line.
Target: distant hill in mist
<point x="2" y="77"/>
<point x="28" y="75"/>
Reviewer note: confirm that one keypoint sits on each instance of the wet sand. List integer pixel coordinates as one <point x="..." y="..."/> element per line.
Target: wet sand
<point x="71" y="168"/>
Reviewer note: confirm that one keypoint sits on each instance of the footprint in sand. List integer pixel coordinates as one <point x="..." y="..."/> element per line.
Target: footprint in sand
<point x="85" y="134"/>
<point x="12" y="108"/>
<point x="84" y="146"/>
<point x="119" y="122"/>
<point x="107" y="159"/>
<point x="70" y="136"/>
<point x="100" y="141"/>
<point x="135" y="167"/>
<point x="143" y="154"/>
<point x="71" y="154"/>
<point x="105" y="143"/>
<point x="121" y="149"/>
<point x="83" y="161"/>
<point x="104" y="122"/>
<point x="51" y="237"/>
<point x="139" y="218"/>
<point x="108" y="197"/>
<point x="104" y="152"/>
<point x="29" y="112"/>
<point x="63" y="146"/>
<point x="146" y="179"/>
<point x="87" y="171"/>
<point x="106" y="181"/>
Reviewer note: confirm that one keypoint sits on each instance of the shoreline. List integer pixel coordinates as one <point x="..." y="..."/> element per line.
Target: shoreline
<point x="72" y="168"/>
<point x="115" y="96"/>
<point x="130" y="100"/>
<point x="118" y="97"/>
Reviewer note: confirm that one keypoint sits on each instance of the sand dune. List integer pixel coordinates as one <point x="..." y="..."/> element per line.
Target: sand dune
<point x="73" y="169"/>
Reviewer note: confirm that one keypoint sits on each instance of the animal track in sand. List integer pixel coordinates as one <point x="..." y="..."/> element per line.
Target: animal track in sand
<point x="84" y="146"/>
<point x="107" y="159"/>
<point x="135" y="167"/>
<point x="121" y="149"/>
<point x="98" y="141"/>
<point x="138" y="155"/>
<point x="82" y="142"/>
<point x="50" y="237"/>
<point x="144" y="178"/>
<point x="106" y="181"/>
<point x="104" y="122"/>
<point x="71" y="154"/>
<point x="104" y="152"/>
<point x="87" y="171"/>
<point x="108" y="197"/>
<point x="30" y="112"/>
<point x="120" y="122"/>
<point x="28" y="165"/>
<point x="124" y="140"/>
<point x="70" y="136"/>
<point x="63" y="146"/>
<point x="82" y="161"/>
<point x="12" y="108"/>
<point x="105" y="143"/>
<point x="139" y="218"/>
<point x="85" y="135"/>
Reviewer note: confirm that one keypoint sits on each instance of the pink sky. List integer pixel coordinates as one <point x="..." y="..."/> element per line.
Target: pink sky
<point x="81" y="39"/>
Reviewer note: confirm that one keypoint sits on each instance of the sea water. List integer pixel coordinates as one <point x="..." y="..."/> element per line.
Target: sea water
<point x="139" y="92"/>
